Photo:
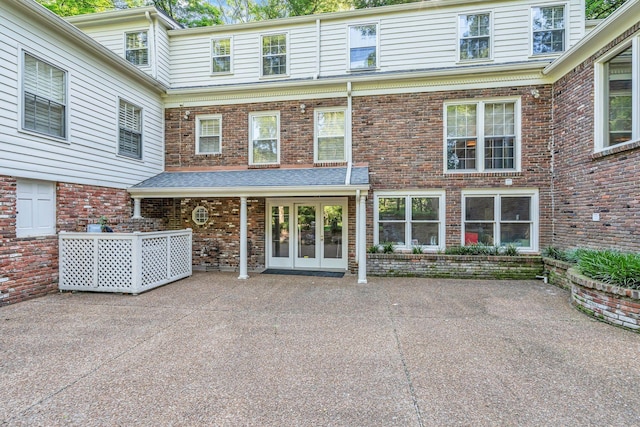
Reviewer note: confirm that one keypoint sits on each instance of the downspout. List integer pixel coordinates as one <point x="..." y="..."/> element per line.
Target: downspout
<point x="152" y="48"/>
<point x="317" y="75"/>
<point x="347" y="180"/>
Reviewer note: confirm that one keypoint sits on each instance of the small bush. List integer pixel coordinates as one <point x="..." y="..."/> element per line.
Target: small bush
<point x="373" y="249"/>
<point x="570" y="255"/>
<point x="475" y="249"/>
<point x="510" y="250"/>
<point x="387" y="248"/>
<point x="416" y="250"/>
<point x="611" y="267"/>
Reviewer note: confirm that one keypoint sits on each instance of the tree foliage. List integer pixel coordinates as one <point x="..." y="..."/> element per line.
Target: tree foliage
<point x="598" y="9"/>
<point x="76" y="7"/>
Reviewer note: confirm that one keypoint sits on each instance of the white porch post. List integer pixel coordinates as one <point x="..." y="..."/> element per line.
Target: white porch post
<point x="243" y="239"/>
<point x="136" y="208"/>
<point x="362" y="240"/>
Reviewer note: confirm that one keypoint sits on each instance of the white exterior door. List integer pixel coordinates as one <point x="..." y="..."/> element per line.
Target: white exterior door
<point x="36" y="210"/>
<point x="307" y="234"/>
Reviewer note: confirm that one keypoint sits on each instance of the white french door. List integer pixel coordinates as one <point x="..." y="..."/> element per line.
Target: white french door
<point x="307" y="234"/>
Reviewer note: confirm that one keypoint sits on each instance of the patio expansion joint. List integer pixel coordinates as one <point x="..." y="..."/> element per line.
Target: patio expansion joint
<point x="96" y="369"/>
<point x="405" y="369"/>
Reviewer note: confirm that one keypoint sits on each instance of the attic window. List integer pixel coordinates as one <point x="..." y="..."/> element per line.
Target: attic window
<point x="200" y="215"/>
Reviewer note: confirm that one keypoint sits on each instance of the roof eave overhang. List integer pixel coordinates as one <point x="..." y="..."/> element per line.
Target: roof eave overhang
<point x="620" y="21"/>
<point x="253" y="191"/>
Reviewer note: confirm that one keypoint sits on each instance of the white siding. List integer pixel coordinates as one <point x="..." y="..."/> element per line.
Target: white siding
<point x="89" y="155"/>
<point x="162" y="55"/>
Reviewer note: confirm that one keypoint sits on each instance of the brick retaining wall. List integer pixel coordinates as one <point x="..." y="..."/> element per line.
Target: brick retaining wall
<point x="454" y="266"/>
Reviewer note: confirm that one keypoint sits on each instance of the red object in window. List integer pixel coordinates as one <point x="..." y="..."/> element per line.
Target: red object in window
<point x="470" y="238"/>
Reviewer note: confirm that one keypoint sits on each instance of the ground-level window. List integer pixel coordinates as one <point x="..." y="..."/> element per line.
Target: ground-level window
<point x="330" y="135"/>
<point x="130" y="130"/>
<point x="547" y="30"/>
<point x="482" y="136"/>
<point x="44" y="90"/>
<point x="410" y="219"/>
<point x="500" y="219"/>
<point x="209" y="134"/>
<point x="264" y="138"/>
<point x="617" y="105"/>
<point x="36" y="208"/>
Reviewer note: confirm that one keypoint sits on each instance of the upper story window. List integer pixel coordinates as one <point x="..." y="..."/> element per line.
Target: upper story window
<point x="264" y="138"/>
<point x="363" y="47"/>
<point x="44" y="91"/>
<point x="475" y="36"/>
<point x="548" y="30"/>
<point x="410" y="219"/>
<point x="330" y="135"/>
<point x="221" y="55"/>
<point x="500" y="218"/>
<point x="137" y="48"/>
<point x="130" y="130"/>
<point x="274" y="55"/>
<point x="482" y="136"/>
<point x="617" y="104"/>
<point x="209" y="134"/>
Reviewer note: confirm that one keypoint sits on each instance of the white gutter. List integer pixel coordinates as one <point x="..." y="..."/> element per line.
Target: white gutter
<point x="347" y="120"/>
<point x="251" y="191"/>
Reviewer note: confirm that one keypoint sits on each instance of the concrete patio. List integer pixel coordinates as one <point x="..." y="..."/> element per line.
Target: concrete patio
<point x="308" y="351"/>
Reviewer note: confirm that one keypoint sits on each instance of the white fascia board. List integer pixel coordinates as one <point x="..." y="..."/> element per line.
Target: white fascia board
<point x="36" y="12"/>
<point x="617" y="23"/>
<point x="311" y="191"/>
<point x="122" y="16"/>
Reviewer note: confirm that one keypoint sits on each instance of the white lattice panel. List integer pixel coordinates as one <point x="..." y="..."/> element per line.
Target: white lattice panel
<point x="180" y="255"/>
<point x="154" y="260"/>
<point x="123" y="262"/>
<point x="76" y="264"/>
<point x="115" y="264"/>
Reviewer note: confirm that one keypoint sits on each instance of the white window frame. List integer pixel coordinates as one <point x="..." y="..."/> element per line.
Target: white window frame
<point x="253" y="115"/>
<point x="565" y="38"/>
<point x="199" y="119"/>
<point x="480" y="158"/>
<point x="262" y="55"/>
<point x="316" y="113"/>
<point x="601" y="96"/>
<point x="213" y="55"/>
<point x="377" y="46"/>
<point x="22" y="103"/>
<point x="497" y="194"/>
<point x="461" y="38"/>
<point x="39" y="207"/>
<point x="140" y="131"/>
<point x="200" y="215"/>
<point x="126" y="49"/>
<point x="408" y="196"/>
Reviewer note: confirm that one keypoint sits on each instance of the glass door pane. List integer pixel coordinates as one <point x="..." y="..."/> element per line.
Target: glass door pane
<point x="332" y="232"/>
<point x="306" y="242"/>
<point x="280" y="231"/>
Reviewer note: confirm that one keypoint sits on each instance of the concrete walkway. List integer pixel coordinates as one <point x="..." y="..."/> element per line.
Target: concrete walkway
<point x="306" y="351"/>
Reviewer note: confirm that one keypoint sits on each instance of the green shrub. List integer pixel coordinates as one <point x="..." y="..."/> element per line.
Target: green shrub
<point x="416" y="250"/>
<point x="373" y="249"/>
<point x="569" y="255"/>
<point x="387" y="248"/>
<point x="475" y="249"/>
<point x="611" y="267"/>
<point x="510" y="250"/>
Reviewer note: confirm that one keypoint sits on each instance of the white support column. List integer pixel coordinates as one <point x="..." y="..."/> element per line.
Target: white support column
<point x="243" y="239"/>
<point x="136" y="208"/>
<point x="362" y="241"/>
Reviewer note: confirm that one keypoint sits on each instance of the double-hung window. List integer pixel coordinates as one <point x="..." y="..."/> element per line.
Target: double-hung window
<point x="137" y="48"/>
<point x="617" y="107"/>
<point x="410" y="219"/>
<point x="330" y="135"/>
<point x="274" y="55"/>
<point x="130" y="130"/>
<point x="221" y="55"/>
<point x="547" y="30"/>
<point x="500" y="218"/>
<point x="482" y="136"/>
<point x="264" y="138"/>
<point x="363" y="46"/>
<point x="209" y="134"/>
<point x="475" y="36"/>
<point x="44" y="95"/>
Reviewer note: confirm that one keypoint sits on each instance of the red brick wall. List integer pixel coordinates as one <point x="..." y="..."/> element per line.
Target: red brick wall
<point x="585" y="183"/>
<point x="29" y="266"/>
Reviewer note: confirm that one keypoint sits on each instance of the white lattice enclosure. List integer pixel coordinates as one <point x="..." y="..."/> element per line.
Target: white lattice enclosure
<point x="123" y="262"/>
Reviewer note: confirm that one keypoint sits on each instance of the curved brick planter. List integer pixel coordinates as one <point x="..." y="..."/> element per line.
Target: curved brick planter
<point x="454" y="266"/>
<point x="611" y="304"/>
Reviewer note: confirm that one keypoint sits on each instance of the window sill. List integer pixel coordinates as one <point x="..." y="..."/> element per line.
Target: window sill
<point x="133" y="159"/>
<point x="620" y="148"/>
<point x="329" y="164"/>
<point x="275" y="77"/>
<point x="221" y="74"/>
<point x="362" y="70"/>
<point x="474" y="61"/>
<point x="209" y="154"/>
<point x="265" y="166"/>
<point x="506" y="173"/>
<point x="48" y="138"/>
